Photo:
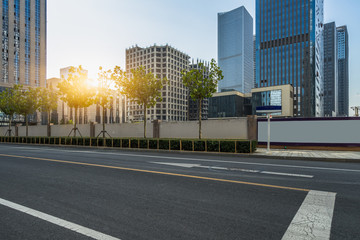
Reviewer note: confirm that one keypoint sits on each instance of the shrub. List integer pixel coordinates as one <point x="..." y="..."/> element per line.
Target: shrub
<point x="254" y="144"/>
<point x="117" y="142"/>
<point x="143" y="143"/>
<point x="87" y="141"/>
<point x="187" y="145"/>
<point x="153" y="144"/>
<point x="100" y="142"/>
<point x="134" y="143"/>
<point x="175" y="144"/>
<point x="199" y="146"/>
<point x="212" y="146"/>
<point x="68" y="141"/>
<point x="227" y="146"/>
<point x="74" y="141"/>
<point x="80" y="141"/>
<point x="164" y="144"/>
<point x="94" y="142"/>
<point x="125" y="143"/>
<point x="109" y="142"/>
<point x="51" y="140"/>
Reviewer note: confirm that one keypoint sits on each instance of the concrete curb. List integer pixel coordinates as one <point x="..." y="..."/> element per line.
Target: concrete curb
<point x="349" y="160"/>
<point x="239" y="155"/>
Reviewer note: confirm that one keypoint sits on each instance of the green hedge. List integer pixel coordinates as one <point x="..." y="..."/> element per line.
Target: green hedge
<point x="224" y="146"/>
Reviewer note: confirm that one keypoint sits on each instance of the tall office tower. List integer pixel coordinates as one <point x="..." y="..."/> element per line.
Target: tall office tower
<point x="343" y="70"/>
<point x="330" y="70"/>
<point x="164" y="61"/>
<point x="23" y="56"/>
<point x="254" y="61"/>
<point x="289" y="50"/>
<point x="235" y="50"/>
<point x="193" y="108"/>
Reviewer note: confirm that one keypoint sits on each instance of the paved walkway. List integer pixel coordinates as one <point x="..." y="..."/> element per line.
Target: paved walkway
<point x="291" y="153"/>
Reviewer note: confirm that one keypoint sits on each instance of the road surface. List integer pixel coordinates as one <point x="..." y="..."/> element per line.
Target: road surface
<point x="82" y="193"/>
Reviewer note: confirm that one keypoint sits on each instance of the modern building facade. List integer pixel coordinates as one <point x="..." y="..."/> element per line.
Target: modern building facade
<point x="163" y="61"/>
<point x="23" y="56"/>
<point x="193" y="108"/>
<point x="275" y="96"/>
<point x="343" y="70"/>
<point x="230" y="104"/>
<point x="330" y="70"/>
<point x="289" y="50"/>
<point x="235" y="50"/>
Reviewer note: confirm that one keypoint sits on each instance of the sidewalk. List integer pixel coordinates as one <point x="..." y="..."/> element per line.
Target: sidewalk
<point x="309" y="154"/>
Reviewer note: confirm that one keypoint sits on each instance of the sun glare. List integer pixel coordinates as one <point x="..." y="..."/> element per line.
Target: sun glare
<point x="92" y="83"/>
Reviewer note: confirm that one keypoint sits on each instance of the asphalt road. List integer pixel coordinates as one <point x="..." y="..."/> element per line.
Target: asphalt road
<point x="161" y="195"/>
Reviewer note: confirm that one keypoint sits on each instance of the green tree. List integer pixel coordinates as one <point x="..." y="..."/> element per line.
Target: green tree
<point x="27" y="104"/>
<point x="76" y="93"/>
<point x="48" y="101"/>
<point x="143" y="88"/>
<point x="8" y="103"/>
<point x="104" y="95"/>
<point x="202" y="86"/>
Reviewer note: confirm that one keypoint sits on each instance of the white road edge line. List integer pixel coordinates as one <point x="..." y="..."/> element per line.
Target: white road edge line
<point x="57" y="221"/>
<point x="187" y="165"/>
<point x="287" y="174"/>
<point x="314" y="217"/>
<point x="196" y="159"/>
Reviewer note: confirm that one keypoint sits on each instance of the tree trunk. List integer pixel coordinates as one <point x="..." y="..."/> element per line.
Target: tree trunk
<point x="10" y="118"/>
<point x="75" y="128"/>
<point x="48" y="125"/>
<point x="200" y="102"/>
<point x="103" y="120"/>
<point x="144" y="121"/>
<point x="27" y="125"/>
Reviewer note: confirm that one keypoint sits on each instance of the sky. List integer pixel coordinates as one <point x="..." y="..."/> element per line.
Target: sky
<point x="95" y="33"/>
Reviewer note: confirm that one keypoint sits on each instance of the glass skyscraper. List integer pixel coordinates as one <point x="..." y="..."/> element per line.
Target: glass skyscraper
<point x="235" y="50"/>
<point x="289" y="50"/>
<point x="330" y="70"/>
<point x="23" y="56"/>
<point x="343" y="70"/>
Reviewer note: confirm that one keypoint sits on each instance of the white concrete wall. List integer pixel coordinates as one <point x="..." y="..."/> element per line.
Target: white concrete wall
<point x="125" y="130"/>
<point x="214" y="129"/>
<point x="315" y="131"/>
<point x="61" y="130"/>
<point x="3" y="131"/>
<point x="34" y="131"/>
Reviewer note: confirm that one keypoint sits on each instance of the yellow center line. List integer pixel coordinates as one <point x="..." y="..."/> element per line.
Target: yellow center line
<point x="157" y="172"/>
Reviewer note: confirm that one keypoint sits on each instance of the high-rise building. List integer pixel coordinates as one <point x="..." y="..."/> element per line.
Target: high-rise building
<point x="235" y="50"/>
<point x="254" y="61"/>
<point x="193" y="108"/>
<point x="330" y="70"/>
<point x="343" y="70"/>
<point x="93" y="113"/>
<point x="23" y="56"/>
<point x="163" y="61"/>
<point x="289" y="50"/>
